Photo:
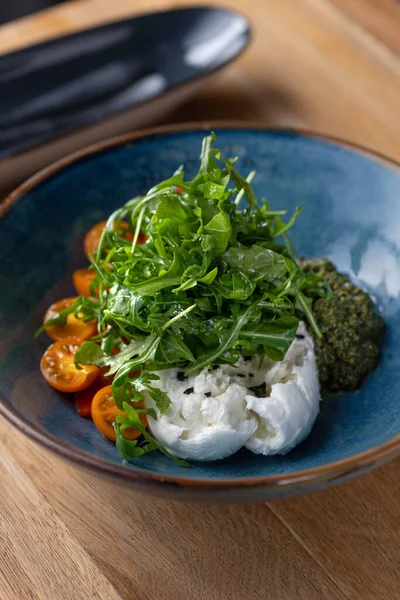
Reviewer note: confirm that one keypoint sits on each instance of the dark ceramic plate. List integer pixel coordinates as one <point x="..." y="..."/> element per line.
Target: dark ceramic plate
<point x="351" y="214"/>
<point x="70" y="82"/>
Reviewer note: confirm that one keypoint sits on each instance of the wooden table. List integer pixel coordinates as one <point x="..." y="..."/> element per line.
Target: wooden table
<point x="328" y="65"/>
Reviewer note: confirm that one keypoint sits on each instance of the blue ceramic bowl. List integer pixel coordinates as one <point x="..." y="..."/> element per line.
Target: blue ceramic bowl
<point x="351" y="201"/>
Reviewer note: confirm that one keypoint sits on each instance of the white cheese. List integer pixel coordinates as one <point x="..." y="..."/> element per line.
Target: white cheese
<point x="213" y="414"/>
<point x="286" y="416"/>
<point x="198" y="427"/>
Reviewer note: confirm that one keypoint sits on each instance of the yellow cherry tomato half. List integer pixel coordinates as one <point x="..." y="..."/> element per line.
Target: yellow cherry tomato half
<point x="82" y="278"/>
<point x="59" y="370"/>
<point x="74" y="328"/>
<point x="104" y="413"/>
<point x="92" y="238"/>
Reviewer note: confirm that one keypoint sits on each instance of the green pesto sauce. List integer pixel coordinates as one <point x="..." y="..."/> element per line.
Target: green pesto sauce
<point x="349" y="349"/>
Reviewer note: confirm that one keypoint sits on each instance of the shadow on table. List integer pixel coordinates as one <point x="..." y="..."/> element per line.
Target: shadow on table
<point x="269" y="105"/>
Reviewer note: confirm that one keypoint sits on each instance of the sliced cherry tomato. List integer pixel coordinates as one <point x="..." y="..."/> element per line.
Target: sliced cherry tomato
<point x="92" y="237"/>
<point x="58" y="367"/>
<point x="104" y="413"/>
<point x="74" y="328"/>
<point x="83" y="399"/>
<point x="82" y="278"/>
<point x="106" y="379"/>
<point x="142" y="238"/>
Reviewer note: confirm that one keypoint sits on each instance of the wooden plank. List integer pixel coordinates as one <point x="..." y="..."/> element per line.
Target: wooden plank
<point x="153" y="549"/>
<point x="353" y="531"/>
<point x="380" y="18"/>
<point x="308" y="68"/>
<point x="39" y="557"/>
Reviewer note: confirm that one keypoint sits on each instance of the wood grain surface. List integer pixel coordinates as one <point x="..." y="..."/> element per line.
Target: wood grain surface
<point x="328" y="65"/>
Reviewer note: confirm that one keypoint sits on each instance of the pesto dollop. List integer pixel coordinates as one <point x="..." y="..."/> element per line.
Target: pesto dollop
<point x="349" y="349"/>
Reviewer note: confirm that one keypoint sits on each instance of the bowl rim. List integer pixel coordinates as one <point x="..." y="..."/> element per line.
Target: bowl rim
<point x="133" y="473"/>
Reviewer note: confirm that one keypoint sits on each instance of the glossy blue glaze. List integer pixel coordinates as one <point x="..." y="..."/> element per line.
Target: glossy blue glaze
<point x="351" y="215"/>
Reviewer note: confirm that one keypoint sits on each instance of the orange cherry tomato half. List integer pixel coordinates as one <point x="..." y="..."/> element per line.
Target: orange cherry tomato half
<point x="83" y="399"/>
<point x="92" y="237"/>
<point x="74" y="328"/>
<point x="82" y="278"/>
<point x="104" y="413"/>
<point x="58" y="367"/>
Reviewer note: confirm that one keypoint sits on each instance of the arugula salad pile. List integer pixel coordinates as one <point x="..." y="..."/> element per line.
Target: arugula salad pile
<point x="216" y="278"/>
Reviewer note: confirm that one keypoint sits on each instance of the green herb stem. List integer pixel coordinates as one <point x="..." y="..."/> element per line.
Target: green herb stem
<point x="177" y="317"/>
<point x="240" y="194"/>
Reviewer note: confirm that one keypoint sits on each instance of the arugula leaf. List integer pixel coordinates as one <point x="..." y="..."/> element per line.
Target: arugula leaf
<point x="240" y="182"/>
<point x="142" y="383"/>
<point x="209" y="277"/>
<point x="220" y="229"/>
<point x="234" y="286"/>
<point x="172" y="350"/>
<point x="257" y="263"/>
<point x="90" y="353"/>
<point x="304" y="304"/>
<point x="228" y="340"/>
<point x="130" y="365"/>
<point x="275" y="337"/>
<point x="129" y="448"/>
<point x="280" y="227"/>
<point x="211" y="189"/>
<point x="126" y="448"/>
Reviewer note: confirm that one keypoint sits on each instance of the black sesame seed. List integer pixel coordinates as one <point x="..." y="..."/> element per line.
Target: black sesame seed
<point x="251" y="374"/>
<point x="299" y="336"/>
<point x="246" y="358"/>
<point x="215" y="367"/>
<point x="208" y="394"/>
<point x="241" y="375"/>
<point x="260" y="391"/>
<point x="180" y="376"/>
<point x="189" y="391"/>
